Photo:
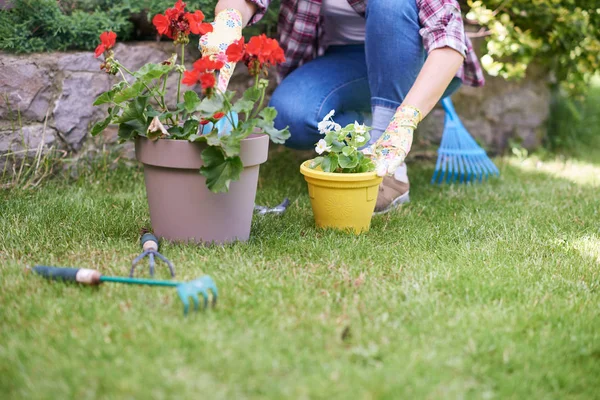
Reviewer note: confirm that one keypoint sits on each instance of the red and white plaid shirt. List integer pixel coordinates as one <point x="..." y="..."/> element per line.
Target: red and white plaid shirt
<point x="441" y="22"/>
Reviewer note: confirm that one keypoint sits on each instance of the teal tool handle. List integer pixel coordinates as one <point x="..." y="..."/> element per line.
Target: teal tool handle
<point x="138" y="281"/>
<point x="93" y="277"/>
<point x="80" y="275"/>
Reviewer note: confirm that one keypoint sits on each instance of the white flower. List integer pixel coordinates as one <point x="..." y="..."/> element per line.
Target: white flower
<point x="322" y="147"/>
<point x="327" y="125"/>
<point x="360" y="139"/>
<point x="324" y="127"/>
<point x="358" y="128"/>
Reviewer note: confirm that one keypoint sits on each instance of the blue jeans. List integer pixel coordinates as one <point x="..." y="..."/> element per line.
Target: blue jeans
<point x="355" y="79"/>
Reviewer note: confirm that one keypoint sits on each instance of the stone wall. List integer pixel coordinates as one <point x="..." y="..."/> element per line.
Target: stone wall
<point x="48" y="98"/>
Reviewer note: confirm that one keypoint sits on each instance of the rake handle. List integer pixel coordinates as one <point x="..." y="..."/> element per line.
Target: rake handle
<point x="92" y="277"/>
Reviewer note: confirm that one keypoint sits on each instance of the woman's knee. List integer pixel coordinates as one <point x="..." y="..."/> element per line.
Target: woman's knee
<point x="293" y="112"/>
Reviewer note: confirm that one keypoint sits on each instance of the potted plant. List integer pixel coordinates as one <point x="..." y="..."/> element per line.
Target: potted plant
<point x="342" y="181"/>
<point x="201" y="155"/>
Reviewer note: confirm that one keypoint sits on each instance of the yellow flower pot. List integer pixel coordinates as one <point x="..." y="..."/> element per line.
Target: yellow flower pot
<point x="342" y="201"/>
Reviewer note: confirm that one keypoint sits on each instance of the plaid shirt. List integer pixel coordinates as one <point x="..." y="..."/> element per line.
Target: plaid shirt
<point x="441" y="26"/>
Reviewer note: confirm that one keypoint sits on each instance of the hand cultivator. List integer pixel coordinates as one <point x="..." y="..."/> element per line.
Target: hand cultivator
<point x="185" y="290"/>
<point x="277" y="210"/>
<point x="150" y="248"/>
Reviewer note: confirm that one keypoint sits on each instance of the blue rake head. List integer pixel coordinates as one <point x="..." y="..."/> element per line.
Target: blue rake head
<point x="191" y="289"/>
<point x="460" y="158"/>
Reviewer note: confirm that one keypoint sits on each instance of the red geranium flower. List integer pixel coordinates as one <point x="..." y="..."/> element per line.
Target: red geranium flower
<point x="190" y="78"/>
<point x="207" y="64"/>
<point x="176" y="22"/>
<point x="235" y="51"/>
<point x="265" y="49"/>
<point x="258" y="53"/>
<point x="197" y="27"/>
<point x="107" y="41"/>
<point x="207" y="80"/>
<point x="204" y="121"/>
<point x="163" y="25"/>
<point x="218" y="115"/>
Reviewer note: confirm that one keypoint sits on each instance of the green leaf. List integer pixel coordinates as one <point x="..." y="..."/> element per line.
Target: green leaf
<point x="276" y="135"/>
<point x="268" y="113"/>
<point x="126" y="132"/>
<point x="152" y="71"/>
<point x="219" y="170"/>
<point x="347" y="162"/>
<point x="252" y="94"/>
<point x="330" y="163"/>
<point x="191" y="101"/>
<point x="213" y="139"/>
<point x="348" y="151"/>
<point x="337" y="147"/>
<point x="231" y="144"/>
<point x="135" y="111"/>
<point x="365" y="164"/>
<point x="100" y="126"/>
<point x="175" y="132"/>
<point x="243" y="106"/>
<point x="106" y="97"/>
<point x="134" y="116"/>
<point x="129" y="92"/>
<point x="211" y="105"/>
<point x="190" y="127"/>
<point x="196" y="138"/>
<point x="315" y="162"/>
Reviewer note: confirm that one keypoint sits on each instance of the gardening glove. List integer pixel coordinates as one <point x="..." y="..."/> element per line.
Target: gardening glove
<point x="227" y="28"/>
<point x="390" y="150"/>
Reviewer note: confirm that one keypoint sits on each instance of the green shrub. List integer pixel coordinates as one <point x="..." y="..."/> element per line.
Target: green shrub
<point x="41" y="25"/>
<point x="47" y="25"/>
<point x="562" y="35"/>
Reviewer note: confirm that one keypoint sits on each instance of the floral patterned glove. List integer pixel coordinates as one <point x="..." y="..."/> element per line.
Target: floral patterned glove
<point x="390" y="150"/>
<point x="227" y="28"/>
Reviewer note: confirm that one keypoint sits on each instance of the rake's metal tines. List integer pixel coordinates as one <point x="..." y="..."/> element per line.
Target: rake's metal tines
<point x="460" y="158"/>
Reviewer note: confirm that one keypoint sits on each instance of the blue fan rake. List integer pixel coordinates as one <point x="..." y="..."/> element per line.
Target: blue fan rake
<point x="460" y="158"/>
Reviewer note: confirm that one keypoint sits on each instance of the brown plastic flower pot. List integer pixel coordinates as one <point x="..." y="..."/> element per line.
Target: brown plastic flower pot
<point x="181" y="206"/>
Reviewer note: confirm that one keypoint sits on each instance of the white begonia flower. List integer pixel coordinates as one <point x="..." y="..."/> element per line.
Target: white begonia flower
<point x="322" y="147"/>
<point x="327" y="125"/>
<point x="358" y="128"/>
<point x="324" y="127"/>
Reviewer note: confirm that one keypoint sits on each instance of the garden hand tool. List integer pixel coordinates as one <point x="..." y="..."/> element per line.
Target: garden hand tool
<point x="185" y="290"/>
<point x="277" y="210"/>
<point x="459" y="156"/>
<point x="390" y="150"/>
<point x="150" y="248"/>
<point x="227" y="28"/>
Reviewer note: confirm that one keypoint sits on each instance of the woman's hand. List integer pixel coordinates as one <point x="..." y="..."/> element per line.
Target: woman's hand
<point x="390" y="150"/>
<point x="227" y="28"/>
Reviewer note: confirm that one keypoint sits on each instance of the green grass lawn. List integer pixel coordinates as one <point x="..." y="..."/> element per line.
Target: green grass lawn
<point x="486" y="291"/>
